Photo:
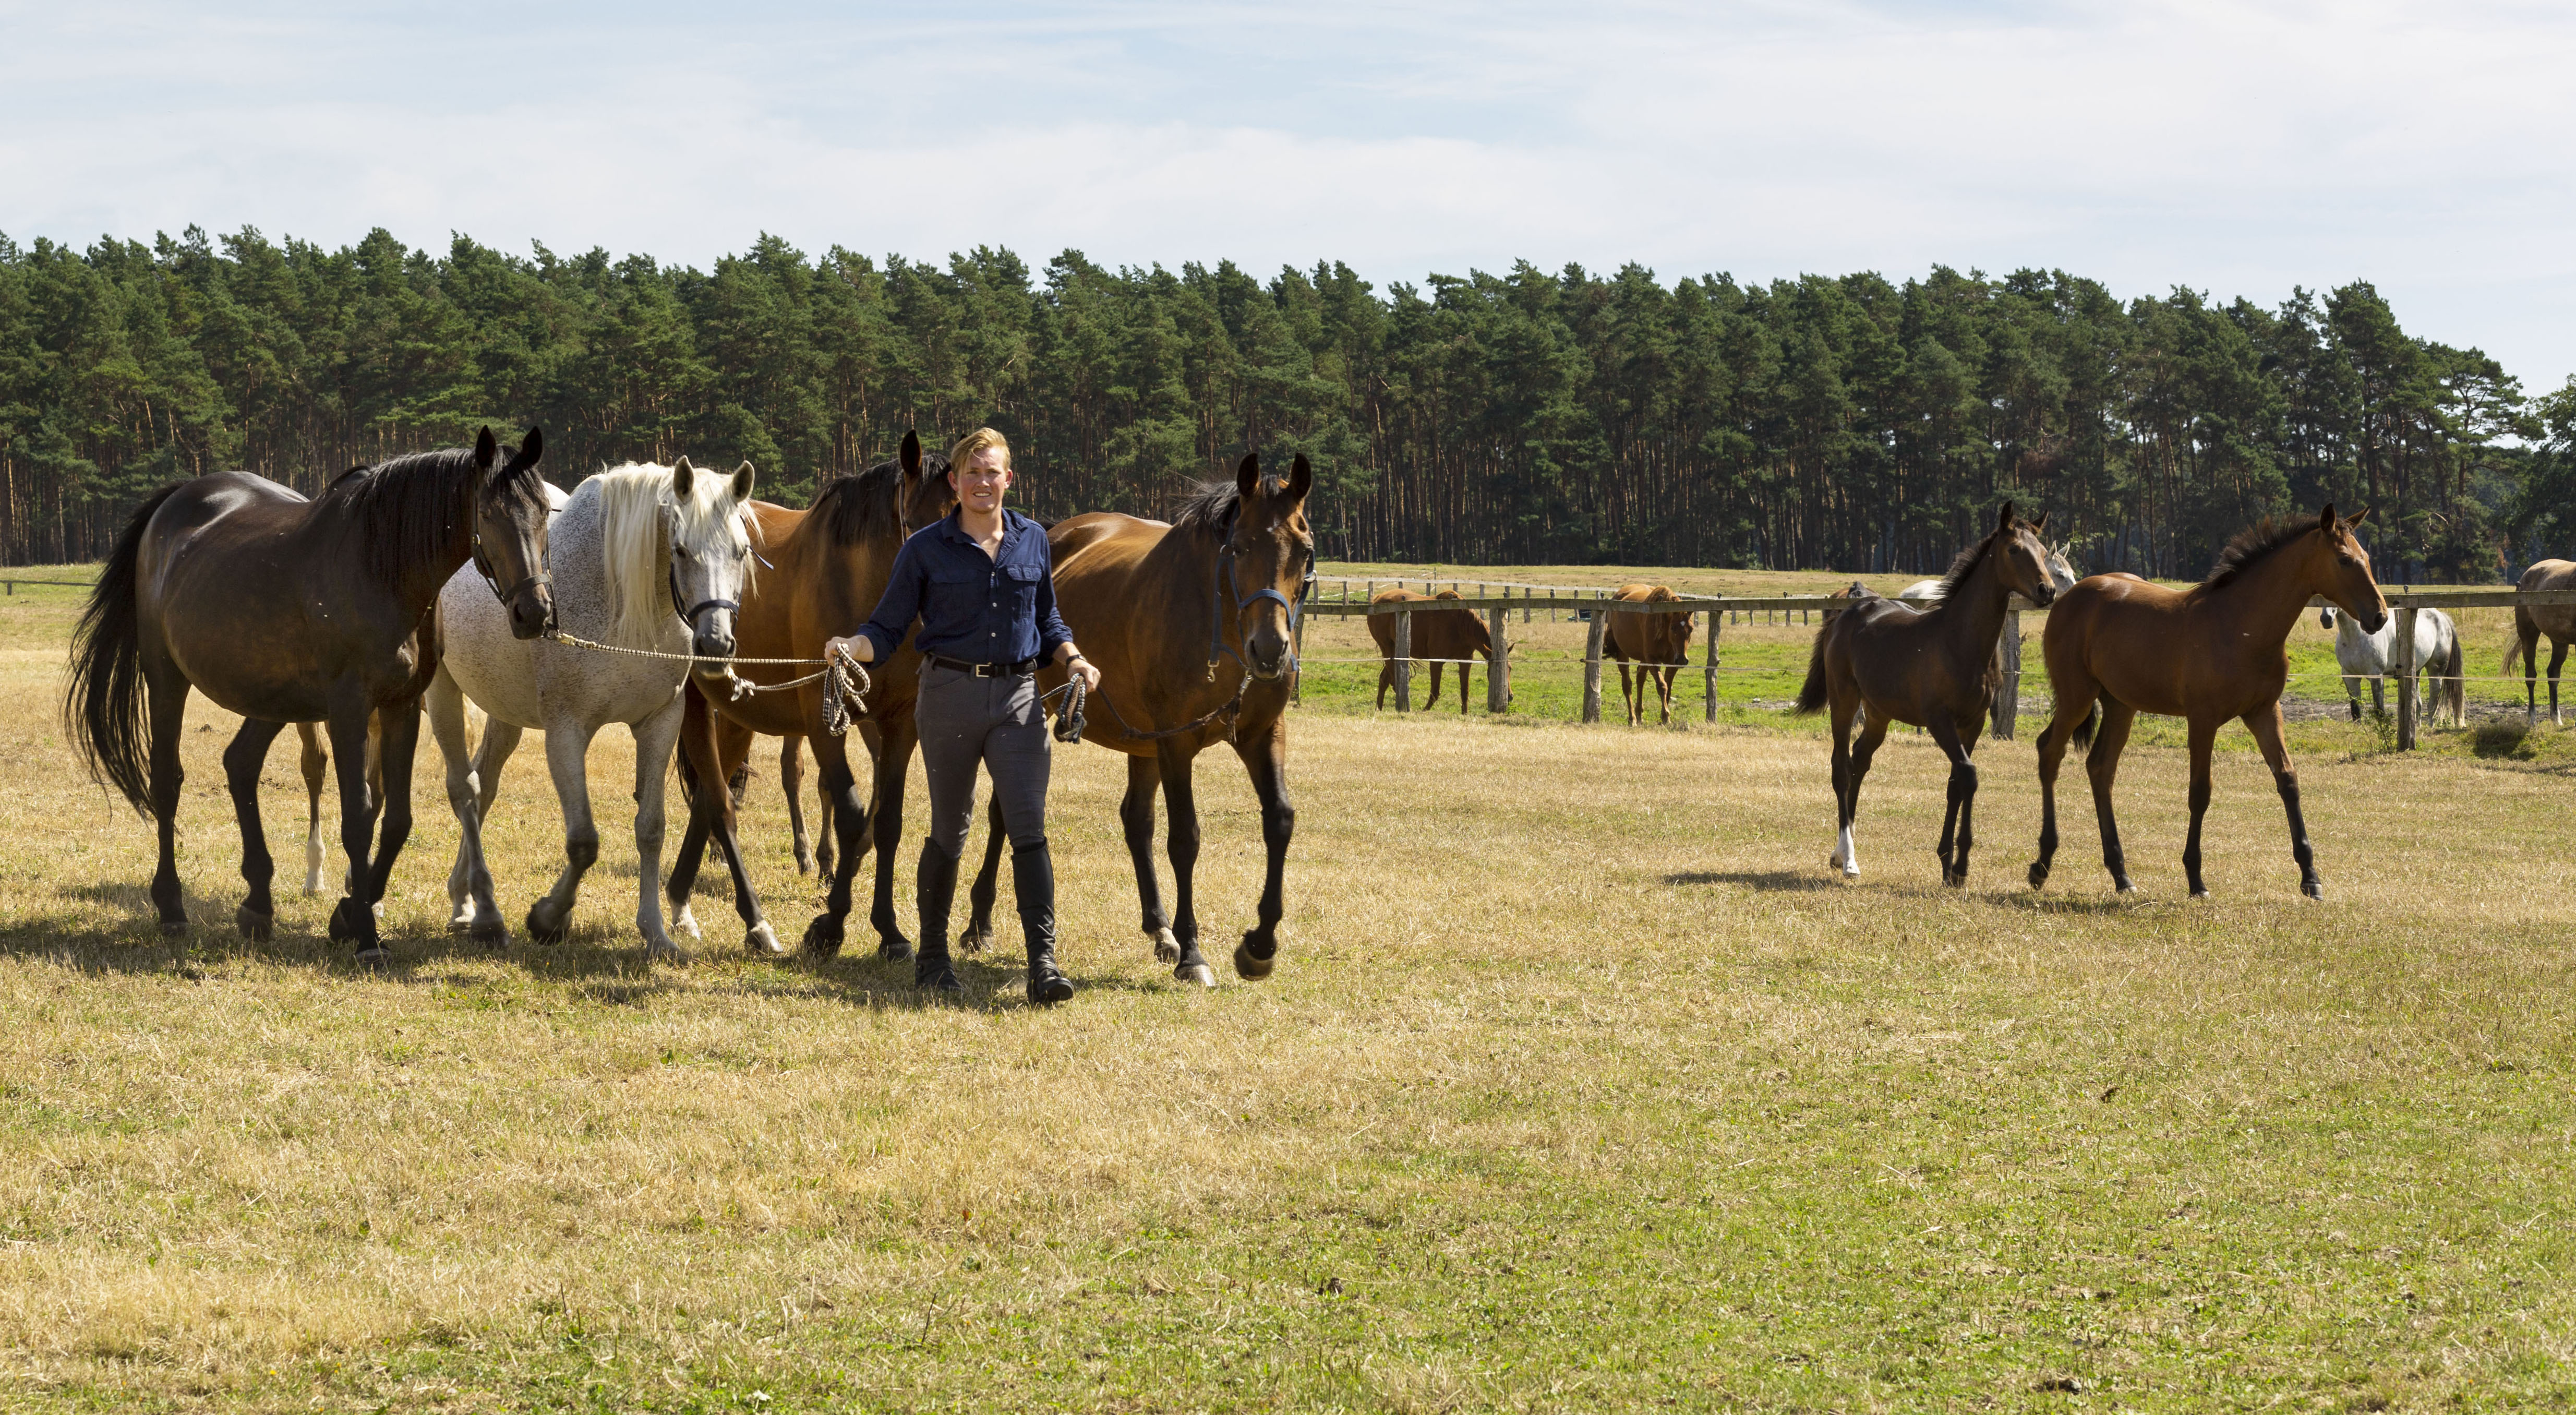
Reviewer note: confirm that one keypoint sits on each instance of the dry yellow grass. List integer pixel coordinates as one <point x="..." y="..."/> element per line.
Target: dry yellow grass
<point x="1580" y="1086"/>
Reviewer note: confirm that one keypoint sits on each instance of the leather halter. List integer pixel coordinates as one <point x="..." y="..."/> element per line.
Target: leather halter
<point x="689" y="612"/>
<point x="483" y="567"/>
<point x="1225" y="586"/>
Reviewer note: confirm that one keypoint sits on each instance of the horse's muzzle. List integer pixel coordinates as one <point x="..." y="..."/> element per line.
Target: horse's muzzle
<point x="532" y="613"/>
<point x="2377" y="619"/>
<point x="2047" y="596"/>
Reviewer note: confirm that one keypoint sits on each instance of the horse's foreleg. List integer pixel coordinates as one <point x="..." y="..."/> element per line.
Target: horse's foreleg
<point x="2203" y="734"/>
<point x="1956" y="832"/>
<point x="242" y="762"/>
<point x="2265" y="724"/>
<point x="2557" y="660"/>
<point x="840" y="786"/>
<point x="1434" y="700"/>
<point x="791" y="779"/>
<point x="1136" y="819"/>
<point x="2102" y="764"/>
<point x="1464" y="696"/>
<point x="353" y="919"/>
<point x="397" y="742"/>
<point x="2352" y="695"/>
<point x="2053" y="742"/>
<point x="1664" y="695"/>
<point x="1266" y="761"/>
<point x="568" y="761"/>
<point x="2379" y="694"/>
<point x="892" y="753"/>
<point x="1842" y="858"/>
<point x="1180" y="806"/>
<point x="988" y="882"/>
<point x="1385" y="680"/>
<point x="654" y="737"/>
<point x="317" y="765"/>
<point x="1864" y="749"/>
<point x="697" y="766"/>
<point x="469" y="882"/>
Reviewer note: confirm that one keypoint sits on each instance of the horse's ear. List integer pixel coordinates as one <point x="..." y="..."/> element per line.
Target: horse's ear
<point x="1247" y="475"/>
<point x="910" y="456"/>
<point x="2355" y="518"/>
<point x="2326" y="521"/>
<point x="2041" y="525"/>
<point x="2004" y="521"/>
<point x="531" y="447"/>
<point x="1301" y="478"/>
<point x="742" y="479"/>
<point x="682" y="477"/>
<point x="485" y="449"/>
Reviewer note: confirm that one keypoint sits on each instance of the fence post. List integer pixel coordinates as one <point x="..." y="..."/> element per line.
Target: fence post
<point x="1498" y="670"/>
<point x="1710" y="686"/>
<point x="1404" y="660"/>
<point x="1592" y="667"/>
<point x="2007" y="709"/>
<point x="1526" y="595"/>
<point x="2406" y="667"/>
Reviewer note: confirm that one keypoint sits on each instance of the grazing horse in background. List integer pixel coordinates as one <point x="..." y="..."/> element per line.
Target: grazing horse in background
<point x="2374" y="656"/>
<point x="644" y="557"/>
<point x="288" y="610"/>
<point x="1883" y="661"/>
<point x="1658" y="643"/>
<point x="827" y="568"/>
<point x="1439" y="635"/>
<point x="1155" y="607"/>
<point x="2530" y="621"/>
<point x="2118" y="646"/>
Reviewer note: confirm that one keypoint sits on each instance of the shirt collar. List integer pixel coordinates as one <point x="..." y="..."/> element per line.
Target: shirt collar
<point x="1014" y="525"/>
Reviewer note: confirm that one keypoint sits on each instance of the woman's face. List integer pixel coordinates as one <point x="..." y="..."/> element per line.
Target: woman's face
<point x="984" y="479"/>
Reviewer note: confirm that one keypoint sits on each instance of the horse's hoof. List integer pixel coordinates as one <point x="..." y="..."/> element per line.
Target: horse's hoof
<point x="2314" y="889"/>
<point x="1203" y="975"/>
<point x="491" y="934"/>
<point x="1167" y="949"/>
<point x="255" y="927"/>
<point x="542" y="931"/>
<point x="763" y="941"/>
<point x="823" y="936"/>
<point x="462" y="921"/>
<point x="2039" y="876"/>
<point x="1253" y="961"/>
<point x="2201" y="893"/>
<point x="374" y="957"/>
<point x="804" y="863"/>
<point x="686" y="921"/>
<point x="341" y="930"/>
<point x="894" y="948"/>
<point x="2124" y="887"/>
<point x="975" y="938"/>
<point x="662" y="950"/>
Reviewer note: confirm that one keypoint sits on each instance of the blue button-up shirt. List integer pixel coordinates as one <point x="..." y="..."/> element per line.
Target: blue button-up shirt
<point x="997" y="608"/>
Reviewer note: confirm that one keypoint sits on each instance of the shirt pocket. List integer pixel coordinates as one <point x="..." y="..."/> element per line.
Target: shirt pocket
<point x="1019" y="592"/>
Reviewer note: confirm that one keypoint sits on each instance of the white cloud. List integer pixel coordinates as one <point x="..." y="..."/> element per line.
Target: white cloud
<point x="2240" y="149"/>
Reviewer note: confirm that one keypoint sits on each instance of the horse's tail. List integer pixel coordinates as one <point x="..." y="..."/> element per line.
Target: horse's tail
<point x="2521" y="642"/>
<point x="1811" y="698"/>
<point x="2082" y="736"/>
<point x="103" y="708"/>
<point x="2455" y="683"/>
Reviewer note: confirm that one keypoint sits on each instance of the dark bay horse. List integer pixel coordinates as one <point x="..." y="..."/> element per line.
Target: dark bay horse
<point x="2206" y="654"/>
<point x="1659" y="644"/>
<point x="1158" y="608"/>
<point x="1438" y="635"/>
<point x="1884" y="661"/>
<point x="826" y="569"/>
<point x="288" y="610"/>
<point x="2530" y="621"/>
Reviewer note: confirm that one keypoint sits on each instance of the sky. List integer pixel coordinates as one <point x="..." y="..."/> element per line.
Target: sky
<point x="2237" y="149"/>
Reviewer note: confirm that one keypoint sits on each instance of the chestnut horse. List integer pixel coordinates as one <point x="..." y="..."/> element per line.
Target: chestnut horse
<point x="284" y="609"/>
<point x="1438" y="635"/>
<point x="2206" y="654"/>
<point x="1884" y="661"/>
<point x="1158" y="608"/>
<point x="2530" y="621"/>
<point x="1660" y="644"/>
<point x="826" y="570"/>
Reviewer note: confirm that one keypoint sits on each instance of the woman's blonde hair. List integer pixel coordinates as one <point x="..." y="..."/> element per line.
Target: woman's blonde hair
<point x="974" y="442"/>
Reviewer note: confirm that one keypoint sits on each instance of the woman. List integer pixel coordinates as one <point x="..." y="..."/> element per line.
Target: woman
<point x="981" y="582"/>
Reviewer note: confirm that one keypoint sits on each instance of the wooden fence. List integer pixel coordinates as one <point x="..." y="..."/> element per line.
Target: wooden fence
<point x="2403" y="603"/>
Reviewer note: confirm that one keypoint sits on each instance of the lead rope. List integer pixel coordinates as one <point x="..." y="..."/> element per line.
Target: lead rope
<point x="845" y="681"/>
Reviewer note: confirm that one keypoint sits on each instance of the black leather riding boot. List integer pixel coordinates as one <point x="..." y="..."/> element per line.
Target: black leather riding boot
<point x="934" y="886"/>
<point x="1033" y="880"/>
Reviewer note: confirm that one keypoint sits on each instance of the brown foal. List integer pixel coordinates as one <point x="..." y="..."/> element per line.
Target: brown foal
<point x="2206" y="654"/>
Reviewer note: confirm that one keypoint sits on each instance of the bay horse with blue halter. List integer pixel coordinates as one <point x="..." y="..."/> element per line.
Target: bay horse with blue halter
<point x="2118" y="646"/>
<point x="284" y="609"/>
<point x="644" y="557"/>
<point x="1192" y="625"/>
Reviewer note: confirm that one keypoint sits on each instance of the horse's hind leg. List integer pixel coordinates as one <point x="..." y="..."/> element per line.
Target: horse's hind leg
<point x="2557" y="660"/>
<point x="1180" y="806"/>
<point x="2102" y="764"/>
<point x="891" y="754"/>
<point x="469" y="882"/>
<point x="1864" y="748"/>
<point x="1136" y="818"/>
<point x="166" y="701"/>
<point x="791" y="779"/>
<point x="242" y="763"/>
<point x="1385" y="680"/>
<point x="654" y="737"/>
<point x="2203" y="735"/>
<point x="2265" y="724"/>
<point x="2074" y="705"/>
<point x="317" y="774"/>
<point x="1957" y="832"/>
<point x="1434" y="700"/>
<point x="978" y="934"/>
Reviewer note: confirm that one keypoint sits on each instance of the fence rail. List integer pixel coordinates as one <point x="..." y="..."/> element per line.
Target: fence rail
<point x="1596" y="604"/>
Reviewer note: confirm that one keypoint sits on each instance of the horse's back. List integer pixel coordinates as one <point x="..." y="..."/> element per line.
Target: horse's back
<point x="2558" y="621"/>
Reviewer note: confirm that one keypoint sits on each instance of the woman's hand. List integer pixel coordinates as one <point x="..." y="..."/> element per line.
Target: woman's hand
<point x="857" y="646"/>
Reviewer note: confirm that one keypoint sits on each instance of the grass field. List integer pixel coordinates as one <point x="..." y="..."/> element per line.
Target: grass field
<point x="1580" y="1086"/>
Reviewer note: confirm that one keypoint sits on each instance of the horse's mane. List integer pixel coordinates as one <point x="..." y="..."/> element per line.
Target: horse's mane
<point x="2251" y="545"/>
<point x="1208" y="506"/>
<point x="1965" y="562"/>
<point x="867" y="503"/>
<point x="405" y="509"/>
<point x="635" y="548"/>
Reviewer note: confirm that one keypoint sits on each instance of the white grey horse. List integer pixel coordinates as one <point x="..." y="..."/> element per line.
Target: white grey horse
<point x="643" y="556"/>
<point x="2374" y="656"/>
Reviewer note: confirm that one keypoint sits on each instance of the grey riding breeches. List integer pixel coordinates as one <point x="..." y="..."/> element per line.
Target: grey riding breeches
<point x="964" y="720"/>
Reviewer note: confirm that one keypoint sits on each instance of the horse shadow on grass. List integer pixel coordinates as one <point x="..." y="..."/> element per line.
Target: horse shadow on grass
<point x="1803" y="882"/>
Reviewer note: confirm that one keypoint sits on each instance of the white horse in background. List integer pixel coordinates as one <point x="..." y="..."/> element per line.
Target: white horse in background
<point x="645" y="557"/>
<point x="2374" y="656"/>
<point x="2061" y="577"/>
